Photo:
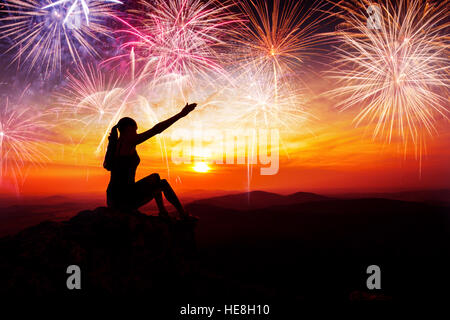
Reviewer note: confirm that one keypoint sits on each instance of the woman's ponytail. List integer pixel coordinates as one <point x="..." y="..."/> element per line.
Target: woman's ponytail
<point x="111" y="149"/>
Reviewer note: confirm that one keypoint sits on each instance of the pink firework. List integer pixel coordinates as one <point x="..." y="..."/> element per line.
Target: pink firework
<point x="179" y="38"/>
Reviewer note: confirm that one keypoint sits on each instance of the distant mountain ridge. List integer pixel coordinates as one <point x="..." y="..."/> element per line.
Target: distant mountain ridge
<point x="259" y="199"/>
<point x="434" y="197"/>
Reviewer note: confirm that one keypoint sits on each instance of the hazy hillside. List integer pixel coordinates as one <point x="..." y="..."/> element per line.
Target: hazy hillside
<point x="259" y="199"/>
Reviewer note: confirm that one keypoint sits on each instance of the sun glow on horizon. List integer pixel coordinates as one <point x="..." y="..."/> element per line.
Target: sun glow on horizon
<point x="201" y="167"/>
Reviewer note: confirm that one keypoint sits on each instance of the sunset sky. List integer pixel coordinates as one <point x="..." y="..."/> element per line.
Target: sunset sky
<point x="320" y="148"/>
<point x="328" y="154"/>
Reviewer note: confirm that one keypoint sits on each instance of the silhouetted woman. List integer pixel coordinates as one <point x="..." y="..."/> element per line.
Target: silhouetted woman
<point x="122" y="160"/>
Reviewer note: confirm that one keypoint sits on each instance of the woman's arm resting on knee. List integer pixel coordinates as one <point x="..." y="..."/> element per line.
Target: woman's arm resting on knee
<point x="163" y="125"/>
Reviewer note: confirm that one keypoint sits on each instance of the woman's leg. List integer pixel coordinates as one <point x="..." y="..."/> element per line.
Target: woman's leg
<point x="151" y="187"/>
<point x="171" y="196"/>
<point x="148" y="188"/>
<point x="160" y="202"/>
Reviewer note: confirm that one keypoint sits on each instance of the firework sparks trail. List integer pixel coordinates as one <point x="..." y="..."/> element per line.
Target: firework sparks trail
<point x="22" y="134"/>
<point x="74" y="5"/>
<point x="397" y="73"/>
<point x="42" y="35"/>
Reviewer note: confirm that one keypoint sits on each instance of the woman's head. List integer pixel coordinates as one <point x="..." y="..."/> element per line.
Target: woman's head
<point x="127" y="126"/>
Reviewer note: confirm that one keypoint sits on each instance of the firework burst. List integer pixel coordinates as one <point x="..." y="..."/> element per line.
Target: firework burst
<point x="397" y="69"/>
<point x="278" y="37"/>
<point x="91" y="98"/>
<point x="257" y="102"/>
<point x="91" y="95"/>
<point x="43" y="32"/>
<point x="179" y="38"/>
<point x="23" y="133"/>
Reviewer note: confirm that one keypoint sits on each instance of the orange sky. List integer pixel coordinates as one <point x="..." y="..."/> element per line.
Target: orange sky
<point x="324" y="154"/>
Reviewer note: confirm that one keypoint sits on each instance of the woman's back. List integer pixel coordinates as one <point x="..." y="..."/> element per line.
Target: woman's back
<point x="123" y="174"/>
<point x="123" y="171"/>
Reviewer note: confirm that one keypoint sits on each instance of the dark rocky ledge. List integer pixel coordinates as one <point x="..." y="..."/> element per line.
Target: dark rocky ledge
<point x="118" y="254"/>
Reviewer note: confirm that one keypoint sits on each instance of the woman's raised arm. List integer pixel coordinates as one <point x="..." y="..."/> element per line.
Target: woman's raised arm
<point x="163" y="125"/>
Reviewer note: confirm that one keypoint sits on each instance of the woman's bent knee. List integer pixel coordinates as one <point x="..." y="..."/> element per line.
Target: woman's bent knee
<point x="153" y="178"/>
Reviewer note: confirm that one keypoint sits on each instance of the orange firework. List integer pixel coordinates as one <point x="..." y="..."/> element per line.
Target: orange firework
<point x="278" y="37"/>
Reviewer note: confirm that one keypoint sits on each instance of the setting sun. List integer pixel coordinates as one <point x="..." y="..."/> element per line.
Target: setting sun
<point x="201" y="167"/>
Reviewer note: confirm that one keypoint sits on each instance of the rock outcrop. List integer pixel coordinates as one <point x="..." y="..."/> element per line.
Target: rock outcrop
<point x="118" y="254"/>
